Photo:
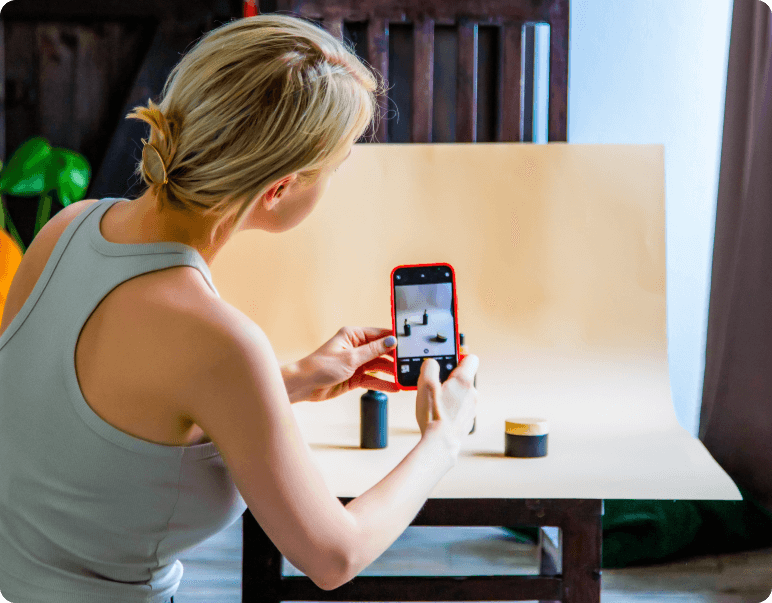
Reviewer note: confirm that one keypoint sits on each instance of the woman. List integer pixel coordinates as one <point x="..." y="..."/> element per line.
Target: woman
<point x="139" y="412"/>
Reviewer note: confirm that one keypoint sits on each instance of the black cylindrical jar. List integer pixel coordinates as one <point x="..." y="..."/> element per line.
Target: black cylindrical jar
<point x="374" y="424"/>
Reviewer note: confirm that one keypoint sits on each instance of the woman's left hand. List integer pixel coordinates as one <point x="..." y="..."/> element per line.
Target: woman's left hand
<point x="342" y="364"/>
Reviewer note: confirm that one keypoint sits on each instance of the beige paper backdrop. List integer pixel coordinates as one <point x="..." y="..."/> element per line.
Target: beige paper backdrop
<point x="559" y="252"/>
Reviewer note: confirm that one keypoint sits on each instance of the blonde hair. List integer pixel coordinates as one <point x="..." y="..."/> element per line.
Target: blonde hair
<point x="253" y="101"/>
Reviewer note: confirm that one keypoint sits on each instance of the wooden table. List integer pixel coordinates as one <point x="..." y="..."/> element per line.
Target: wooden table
<point x="559" y="253"/>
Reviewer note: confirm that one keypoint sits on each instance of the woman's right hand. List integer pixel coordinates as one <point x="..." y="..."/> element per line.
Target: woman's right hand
<point x="449" y="407"/>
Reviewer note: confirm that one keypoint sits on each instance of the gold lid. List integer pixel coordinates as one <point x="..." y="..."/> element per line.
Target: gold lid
<point x="526" y="426"/>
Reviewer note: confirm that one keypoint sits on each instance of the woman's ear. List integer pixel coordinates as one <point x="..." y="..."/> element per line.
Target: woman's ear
<point x="275" y="193"/>
<point x="272" y="195"/>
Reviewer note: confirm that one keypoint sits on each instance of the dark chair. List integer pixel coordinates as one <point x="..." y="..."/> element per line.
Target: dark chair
<point x="570" y="572"/>
<point x="509" y="17"/>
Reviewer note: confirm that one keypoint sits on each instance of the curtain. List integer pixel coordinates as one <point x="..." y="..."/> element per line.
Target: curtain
<point x="736" y="413"/>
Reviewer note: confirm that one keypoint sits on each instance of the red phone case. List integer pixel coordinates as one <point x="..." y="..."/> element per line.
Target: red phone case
<point x="394" y="315"/>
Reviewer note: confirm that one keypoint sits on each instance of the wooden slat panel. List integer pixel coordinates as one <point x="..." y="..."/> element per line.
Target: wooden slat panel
<point x="126" y="46"/>
<point x="401" y="67"/>
<point x="378" y="57"/>
<point x="508" y="16"/>
<point x="22" y="115"/>
<point x="91" y="87"/>
<point x="116" y="175"/>
<point x="423" y="80"/>
<point x="2" y="91"/>
<point x="57" y="48"/>
<point x="558" y="91"/>
<point x="509" y="129"/>
<point x="528" y="79"/>
<point x="466" y="83"/>
<point x="488" y="62"/>
<point x="57" y="10"/>
<point x="445" y="83"/>
<point x="334" y="25"/>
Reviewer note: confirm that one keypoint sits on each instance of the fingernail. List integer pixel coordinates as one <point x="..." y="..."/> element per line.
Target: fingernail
<point x="390" y="341"/>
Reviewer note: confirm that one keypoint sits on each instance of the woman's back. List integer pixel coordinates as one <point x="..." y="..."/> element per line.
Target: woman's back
<point x="119" y="380"/>
<point x="88" y="489"/>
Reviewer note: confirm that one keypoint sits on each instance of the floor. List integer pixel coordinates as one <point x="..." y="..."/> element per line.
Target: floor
<point x="213" y="569"/>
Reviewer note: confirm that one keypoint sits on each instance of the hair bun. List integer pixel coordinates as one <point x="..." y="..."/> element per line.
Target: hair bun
<point x="153" y="163"/>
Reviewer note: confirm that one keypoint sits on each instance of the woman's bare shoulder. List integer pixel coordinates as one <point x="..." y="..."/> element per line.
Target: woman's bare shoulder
<point x="180" y="334"/>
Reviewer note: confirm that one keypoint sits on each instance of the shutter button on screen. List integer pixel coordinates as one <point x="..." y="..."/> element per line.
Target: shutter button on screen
<point x="449" y="366"/>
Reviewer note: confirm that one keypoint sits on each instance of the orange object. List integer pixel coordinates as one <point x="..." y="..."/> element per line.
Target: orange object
<point x="10" y="258"/>
<point x="250" y="8"/>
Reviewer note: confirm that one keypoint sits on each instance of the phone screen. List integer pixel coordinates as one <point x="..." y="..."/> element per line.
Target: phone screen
<point x="424" y="308"/>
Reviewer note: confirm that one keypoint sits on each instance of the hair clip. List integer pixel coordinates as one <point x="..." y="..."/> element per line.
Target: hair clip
<point x="148" y="163"/>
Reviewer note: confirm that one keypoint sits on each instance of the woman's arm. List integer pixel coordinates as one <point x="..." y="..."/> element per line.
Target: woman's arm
<point x="293" y="381"/>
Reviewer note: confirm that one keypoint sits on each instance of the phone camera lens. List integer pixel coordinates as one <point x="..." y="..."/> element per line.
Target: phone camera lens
<point x="423" y="275"/>
<point x="398" y="277"/>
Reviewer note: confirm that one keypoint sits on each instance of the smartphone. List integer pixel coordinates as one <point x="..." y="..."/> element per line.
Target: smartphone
<point x="425" y="321"/>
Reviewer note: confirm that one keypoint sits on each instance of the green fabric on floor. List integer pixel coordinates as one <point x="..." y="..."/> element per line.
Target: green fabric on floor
<point x="644" y="532"/>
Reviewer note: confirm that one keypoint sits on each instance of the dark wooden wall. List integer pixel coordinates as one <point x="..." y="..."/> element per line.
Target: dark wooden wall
<point x="74" y="68"/>
<point x="68" y="81"/>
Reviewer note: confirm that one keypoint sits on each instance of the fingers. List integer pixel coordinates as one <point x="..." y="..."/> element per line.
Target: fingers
<point x="429" y="381"/>
<point x="370" y="348"/>
<point x="466" y="369"/>
<point x="379" y="364"/>
<point x="369" y="382"/>
<point x="370" y="334"/>
<point x="374" y="349"/>
<point x="430" y="370"/>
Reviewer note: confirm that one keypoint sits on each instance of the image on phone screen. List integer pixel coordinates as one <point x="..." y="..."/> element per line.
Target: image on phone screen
<point x="425" y="322"/>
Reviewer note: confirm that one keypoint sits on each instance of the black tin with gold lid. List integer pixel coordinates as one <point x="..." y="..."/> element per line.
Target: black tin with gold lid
<point x="526" y="437"/>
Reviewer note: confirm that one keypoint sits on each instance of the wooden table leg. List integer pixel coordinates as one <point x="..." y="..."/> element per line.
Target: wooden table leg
<point x="261" y="565"/>
<point x="582" y="539"/>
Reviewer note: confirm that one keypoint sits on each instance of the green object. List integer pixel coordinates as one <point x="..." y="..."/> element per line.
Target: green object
<point x="37" y="169"/>
<point x="644" y="532"/>
<point x="25" y="172"/>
